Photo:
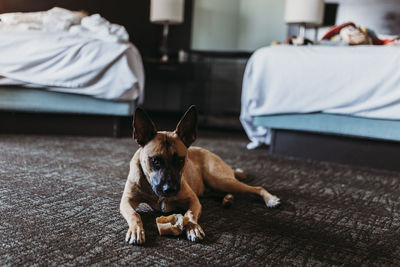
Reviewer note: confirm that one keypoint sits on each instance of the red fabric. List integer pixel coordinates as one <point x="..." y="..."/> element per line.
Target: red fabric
<point x="378" y="41"/>
<point x="387" y="41"/>
<point x="336" y="29"/>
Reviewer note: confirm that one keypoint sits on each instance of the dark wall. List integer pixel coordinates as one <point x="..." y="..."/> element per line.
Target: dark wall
<point x="133" y="14"/>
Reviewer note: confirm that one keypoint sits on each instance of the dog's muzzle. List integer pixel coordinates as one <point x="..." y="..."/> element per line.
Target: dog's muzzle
<point x="170" y="189"/>
<point x="165" y="186"/>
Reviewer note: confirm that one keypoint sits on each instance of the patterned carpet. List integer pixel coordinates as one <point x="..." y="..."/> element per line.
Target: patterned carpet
<point x="59" y="201"/>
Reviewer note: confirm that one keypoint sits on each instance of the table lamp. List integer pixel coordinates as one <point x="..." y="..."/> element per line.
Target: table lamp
<point x="306" y="13"/>
<point x="166" y="12"/>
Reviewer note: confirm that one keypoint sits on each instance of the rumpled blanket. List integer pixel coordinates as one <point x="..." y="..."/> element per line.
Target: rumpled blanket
<point x="59" y="19"/>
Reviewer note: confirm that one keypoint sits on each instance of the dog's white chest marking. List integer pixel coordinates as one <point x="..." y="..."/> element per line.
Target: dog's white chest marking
<point x="166" y="206"/>
<point x="162" y="206"/>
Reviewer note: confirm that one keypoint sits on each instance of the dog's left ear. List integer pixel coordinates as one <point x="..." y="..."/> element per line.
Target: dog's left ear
<point x="187" y="126"/>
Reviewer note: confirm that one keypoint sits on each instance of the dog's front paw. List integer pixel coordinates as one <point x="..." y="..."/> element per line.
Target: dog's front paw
<point x="194" y="232"/>
<point x="135" y="235"/>
<point x="273" y="202"/>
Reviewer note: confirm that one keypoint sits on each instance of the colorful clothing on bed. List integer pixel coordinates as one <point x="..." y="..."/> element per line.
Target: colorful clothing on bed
<point x="350" y="34"/>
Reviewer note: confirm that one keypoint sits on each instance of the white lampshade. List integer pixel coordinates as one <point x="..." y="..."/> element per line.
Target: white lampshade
<point x="167" y="11"/>
<point x="308" y="12"/>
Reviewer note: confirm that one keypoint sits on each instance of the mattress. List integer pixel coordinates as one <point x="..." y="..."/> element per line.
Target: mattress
<point x="362" y="81"/>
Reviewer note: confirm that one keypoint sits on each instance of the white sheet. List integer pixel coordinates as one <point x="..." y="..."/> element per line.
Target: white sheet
<point x="90" y="58"/>
<point x="360" y="81"/>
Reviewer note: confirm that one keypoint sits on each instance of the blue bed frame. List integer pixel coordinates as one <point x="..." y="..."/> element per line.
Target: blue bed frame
<point x="372" y="143"/>
<point x="61" y="113"/>
<point x="38" y="100"/>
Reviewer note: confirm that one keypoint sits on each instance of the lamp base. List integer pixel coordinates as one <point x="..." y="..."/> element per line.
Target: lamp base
<point x="164" y="47"/>
<point x="164" y="58"/>
<point x="302" y="31"/>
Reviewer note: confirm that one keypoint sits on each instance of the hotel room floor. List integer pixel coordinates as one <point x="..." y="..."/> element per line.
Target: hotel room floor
<point x="60" y="195"/>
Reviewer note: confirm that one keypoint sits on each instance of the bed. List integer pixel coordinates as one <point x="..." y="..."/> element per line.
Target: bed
<point x="337" y="104"/>
<point x="52" y="65"/>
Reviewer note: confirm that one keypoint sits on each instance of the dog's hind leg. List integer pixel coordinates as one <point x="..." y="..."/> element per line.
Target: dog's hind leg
<point x="221" y="177"/>
<point x="229" y="184"/>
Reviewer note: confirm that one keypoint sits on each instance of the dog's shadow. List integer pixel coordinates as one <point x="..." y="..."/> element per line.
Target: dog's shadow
<point x="247" y="216"/>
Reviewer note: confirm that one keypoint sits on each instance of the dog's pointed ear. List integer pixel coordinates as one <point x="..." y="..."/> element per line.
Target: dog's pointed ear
<point x="187" y="126"/>
<point x="143" y="127"/>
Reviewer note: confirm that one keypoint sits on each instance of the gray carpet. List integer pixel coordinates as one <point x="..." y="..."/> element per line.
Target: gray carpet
<point x="59" y="199"/>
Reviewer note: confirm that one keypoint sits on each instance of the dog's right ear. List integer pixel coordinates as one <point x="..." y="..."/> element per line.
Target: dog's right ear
<point x="143" y="127"/>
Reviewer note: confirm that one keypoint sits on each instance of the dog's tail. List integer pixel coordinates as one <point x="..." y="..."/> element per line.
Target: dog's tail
<point x="239" y="174"/>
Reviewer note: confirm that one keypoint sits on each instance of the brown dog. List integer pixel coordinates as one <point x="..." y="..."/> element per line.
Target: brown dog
<point x="166" y="174"/>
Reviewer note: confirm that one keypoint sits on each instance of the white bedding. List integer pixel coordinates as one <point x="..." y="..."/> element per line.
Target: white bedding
<point x="359" y="81"/>
<point x="91" y="57"/>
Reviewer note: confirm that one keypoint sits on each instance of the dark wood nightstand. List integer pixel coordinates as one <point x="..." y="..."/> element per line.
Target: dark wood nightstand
<point x="210" y="80"/>
<point x="166" y="84"/>
<point x="172" y="70"/>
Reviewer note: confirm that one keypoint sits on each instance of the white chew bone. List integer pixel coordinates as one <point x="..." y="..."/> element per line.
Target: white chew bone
<point x="171" y="225"/>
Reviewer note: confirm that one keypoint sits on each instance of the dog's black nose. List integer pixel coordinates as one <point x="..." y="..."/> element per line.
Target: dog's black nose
<point x="169" y="189"/>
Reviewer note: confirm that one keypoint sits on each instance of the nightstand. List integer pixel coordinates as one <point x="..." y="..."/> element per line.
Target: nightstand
<point x="166" y="84"/>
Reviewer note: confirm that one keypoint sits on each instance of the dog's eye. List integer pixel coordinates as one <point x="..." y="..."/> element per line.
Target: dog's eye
<point x="179" y="160"/>
<point x="155" y="162"/>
